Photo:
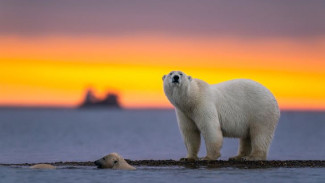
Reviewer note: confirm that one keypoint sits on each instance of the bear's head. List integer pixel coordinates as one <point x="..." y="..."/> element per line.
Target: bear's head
<point x="178" y="87"/>
<point x="113" y="161"/>
<point x="176" y="79"/>
<point x="108" y="161"/>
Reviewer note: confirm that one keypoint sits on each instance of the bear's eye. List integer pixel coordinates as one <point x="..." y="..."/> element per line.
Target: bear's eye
<point x="170" y="73"/>
<point x="103" y="158"/>
<point x="181" y="74"/>
<point x="115" y="162"/>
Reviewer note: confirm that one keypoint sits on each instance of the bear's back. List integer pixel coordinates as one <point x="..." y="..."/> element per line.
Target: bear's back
<point x="240" y="102"/>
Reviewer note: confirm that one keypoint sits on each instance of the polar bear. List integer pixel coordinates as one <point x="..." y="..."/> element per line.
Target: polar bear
<point x="239" y="108"/>
<point x="113" y="161"/>
<point x="42" y="166"/>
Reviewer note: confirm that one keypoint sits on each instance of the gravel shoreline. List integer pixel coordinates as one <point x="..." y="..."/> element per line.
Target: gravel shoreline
<point x="208" y="164"/>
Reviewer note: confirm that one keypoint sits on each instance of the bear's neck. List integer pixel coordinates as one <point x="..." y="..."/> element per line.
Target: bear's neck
<point x="184" y="99"/>
<point x="123" y="165"/>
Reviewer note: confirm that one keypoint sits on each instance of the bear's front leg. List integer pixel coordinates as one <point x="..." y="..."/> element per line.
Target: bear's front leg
<point x="191" y="136"/>
<point x="210" y="129"/>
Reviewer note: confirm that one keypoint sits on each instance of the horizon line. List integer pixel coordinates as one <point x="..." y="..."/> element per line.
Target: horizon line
<point x="129" y="108"/>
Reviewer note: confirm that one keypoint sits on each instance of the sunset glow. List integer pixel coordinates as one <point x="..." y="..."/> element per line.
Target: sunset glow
<point x="56" y="70"/>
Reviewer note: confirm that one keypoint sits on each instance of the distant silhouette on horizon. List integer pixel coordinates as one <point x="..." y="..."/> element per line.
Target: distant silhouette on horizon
<point x="91" y="101"/>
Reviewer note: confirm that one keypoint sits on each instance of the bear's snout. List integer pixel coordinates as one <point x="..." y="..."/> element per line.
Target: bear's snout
<point x="176" y="79"/>
<point x="97" y="163"/>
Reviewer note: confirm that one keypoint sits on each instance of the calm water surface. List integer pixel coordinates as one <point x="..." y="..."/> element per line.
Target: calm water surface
<point x="31" y="136"/>
<point x="163" y="174"/>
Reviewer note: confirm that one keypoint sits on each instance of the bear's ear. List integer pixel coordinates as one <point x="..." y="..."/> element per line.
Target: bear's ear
<point x="163" y="78"/>
<point x="189" y="78"/>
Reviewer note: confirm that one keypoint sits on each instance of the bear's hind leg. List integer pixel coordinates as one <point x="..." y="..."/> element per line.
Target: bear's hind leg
<point x="244" y="149"/>
<point x="260" y="141"/>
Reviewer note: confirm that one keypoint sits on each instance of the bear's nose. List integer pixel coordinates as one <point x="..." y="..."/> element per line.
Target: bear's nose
<point x="96" y="162"/>
<point x="175" y="78"/>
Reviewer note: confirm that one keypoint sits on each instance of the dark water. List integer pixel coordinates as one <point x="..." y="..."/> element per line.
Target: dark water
<point x="31" y="136"/>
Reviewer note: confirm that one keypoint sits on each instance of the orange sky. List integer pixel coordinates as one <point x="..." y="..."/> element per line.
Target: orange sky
<point x="56" y="70"/>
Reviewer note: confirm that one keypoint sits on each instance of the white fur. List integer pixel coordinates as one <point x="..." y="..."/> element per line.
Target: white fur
<point x="113" y="161"/>
<point x="42" y="166"/>
<point x="238" y="108"/>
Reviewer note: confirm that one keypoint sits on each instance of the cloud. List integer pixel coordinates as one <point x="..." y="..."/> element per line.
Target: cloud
<point x="205" y="17"/>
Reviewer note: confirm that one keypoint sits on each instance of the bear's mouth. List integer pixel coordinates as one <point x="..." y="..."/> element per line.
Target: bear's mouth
<point x="175" y="81"/>
<point x="100" y="166"/>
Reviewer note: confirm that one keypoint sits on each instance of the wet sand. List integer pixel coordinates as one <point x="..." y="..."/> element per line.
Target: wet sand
<point x="208" y="164"/>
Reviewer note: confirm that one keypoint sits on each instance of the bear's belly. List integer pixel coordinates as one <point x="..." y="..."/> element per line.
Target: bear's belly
<point x="234" y="130"/>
